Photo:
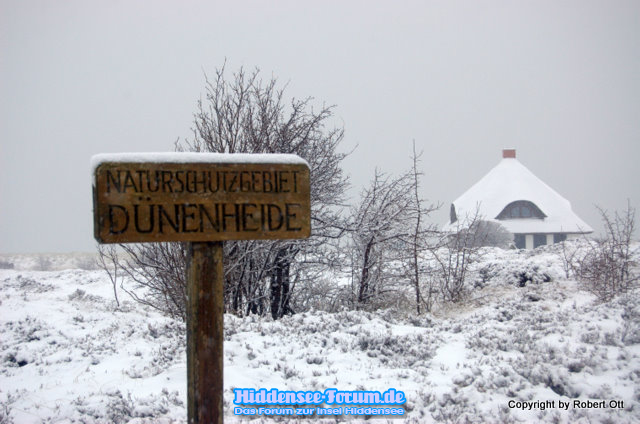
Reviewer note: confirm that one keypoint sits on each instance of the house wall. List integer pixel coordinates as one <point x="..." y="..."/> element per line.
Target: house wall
<point x="529" y="241"/>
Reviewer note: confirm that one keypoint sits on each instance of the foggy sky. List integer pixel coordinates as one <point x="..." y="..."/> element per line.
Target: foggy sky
<point x="558" y="81"/>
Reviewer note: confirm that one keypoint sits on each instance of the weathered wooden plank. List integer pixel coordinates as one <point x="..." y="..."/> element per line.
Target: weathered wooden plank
<point x="150" y="202"/>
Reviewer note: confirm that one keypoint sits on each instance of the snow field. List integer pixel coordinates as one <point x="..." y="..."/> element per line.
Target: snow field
<point x="68" y="354"/>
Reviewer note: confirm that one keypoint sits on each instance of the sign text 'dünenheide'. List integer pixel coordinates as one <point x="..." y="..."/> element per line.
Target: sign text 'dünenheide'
<point x="148" y="201"/>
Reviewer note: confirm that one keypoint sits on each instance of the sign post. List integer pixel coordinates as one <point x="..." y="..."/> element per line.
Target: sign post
<point x="202" y="199"/>
<point x="205" y="327"/>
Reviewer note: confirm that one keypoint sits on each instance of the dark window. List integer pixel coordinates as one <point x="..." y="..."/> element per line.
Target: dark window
<point x="520" y="240"/>
<point x="521" y="209"/>
<point x="559" y="237"/>
<point x="539" y="240"/>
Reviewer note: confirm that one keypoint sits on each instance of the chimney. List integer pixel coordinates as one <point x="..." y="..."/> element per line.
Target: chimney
<point x="508" y="153"/>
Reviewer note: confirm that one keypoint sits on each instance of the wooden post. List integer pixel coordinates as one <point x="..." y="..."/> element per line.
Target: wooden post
<point x="205" y="318"/>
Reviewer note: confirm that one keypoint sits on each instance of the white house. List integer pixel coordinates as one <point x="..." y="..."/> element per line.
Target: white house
<point x="522" y="203"/>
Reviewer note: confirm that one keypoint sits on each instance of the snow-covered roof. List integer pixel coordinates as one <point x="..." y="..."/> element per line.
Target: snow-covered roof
<point x="511" y="181"/>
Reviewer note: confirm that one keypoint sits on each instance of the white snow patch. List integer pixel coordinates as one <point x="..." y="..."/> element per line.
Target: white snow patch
<point x="195" y="157"/>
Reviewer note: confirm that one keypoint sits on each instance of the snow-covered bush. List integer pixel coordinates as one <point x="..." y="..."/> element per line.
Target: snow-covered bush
<point x="631" y="317"/>
<point x="491" y="234"/>
<point x="43" y="263"/>
<point x="5" y="409"/>
<point x="609" y="266"/>
<point x="520" y="269"/>
<point x="454" y="256"/>
<point x="322" y="295"/>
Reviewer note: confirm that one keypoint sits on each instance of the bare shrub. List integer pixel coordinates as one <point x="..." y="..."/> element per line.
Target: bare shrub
<point x="322" y="295"/>
<point x="454" y="254"/>
<point x="108" y="261"/>
<point x="608" y="269"/>
<point x="86" y="263"/>
<point x="569" y="253"/>
<point x="492" y="234"/>
<point x="43" y="263"/>
<point x="631" y="316"/>
<point x="6" y="409"/>
<point x="158" y="271"/>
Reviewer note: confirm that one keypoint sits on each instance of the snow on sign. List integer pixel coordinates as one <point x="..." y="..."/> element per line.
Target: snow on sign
<point x="199" y="197"/>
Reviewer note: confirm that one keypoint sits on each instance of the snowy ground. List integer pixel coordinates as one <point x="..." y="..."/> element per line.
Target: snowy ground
<point x="67" y="354"/>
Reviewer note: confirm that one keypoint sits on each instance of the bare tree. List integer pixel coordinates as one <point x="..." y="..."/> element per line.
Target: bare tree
<point x="381" y="222"/>
<point x="418" y="240"/>
<point x="454" y="254"/>
<point x="249" y="116"/>
<point x="244" y="114"/>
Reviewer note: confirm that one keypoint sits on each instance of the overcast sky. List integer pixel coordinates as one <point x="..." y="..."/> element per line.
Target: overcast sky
<point x="557" y="80"/>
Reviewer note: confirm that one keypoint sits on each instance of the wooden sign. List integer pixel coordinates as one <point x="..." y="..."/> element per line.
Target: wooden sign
<point x="200" y="197"/>
<point x="203" y="199"/>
